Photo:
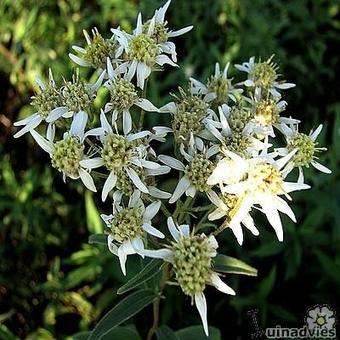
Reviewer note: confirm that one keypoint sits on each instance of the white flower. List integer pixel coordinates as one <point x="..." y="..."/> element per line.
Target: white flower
<point x="127" y="227"/>
<point x="306" y="149"/>
<point x="46" y="101"/>
<point x="143" y="53"/>
<point x="161" y="33"/>
<point x="218" y="88"/>
<point x="97" y="51"/>
<point x="196" y="172"/>
<point x="258" y="183"/>
<point x="121" y="154"/>
<point x="263" y="75"/>
<point x="191" y="256"/>
<point x="67" y="155"/>
<point x="320" y="316"/>
<point x="123" y="97"/>
<point x="226" y="206"/>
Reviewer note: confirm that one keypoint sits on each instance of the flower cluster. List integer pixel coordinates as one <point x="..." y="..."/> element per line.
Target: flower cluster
<point x="224" y="149"/>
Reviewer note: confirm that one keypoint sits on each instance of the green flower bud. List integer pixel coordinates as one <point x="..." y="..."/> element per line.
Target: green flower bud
<point x="144" y="49"/>
<point x="306" y="149"/>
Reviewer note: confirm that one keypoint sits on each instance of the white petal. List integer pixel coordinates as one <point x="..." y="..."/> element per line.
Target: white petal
<point x="172" y="162"/>
<point x="237" y="231"/>
<point x="321" y="167"/>
<point x="155" y="192"/>
<point x="132" y="70"/>
<point x="249" y="224"/>
<point x="201" y="304"/>
<point x="274" y="219"/>
<point x="152" y="231"/>
<point x="122" y="258"/>
<point x="78" y="124"/>
<point x="138" y="245"/>
<point x="138" y="135"/>
<point x="92" y="163"/>
<point x="109" y="67"/>
<point x="164" y="59"/>
<point x="26" y="120"/>
<point x="112" y="247"/>
<point x="291" y="186"/>
<point x="184" y="30"/>
<point x="79" y="61"/>
<point x="181" y="188"/>
<point x="184" y="229"/>
<point x="143" y="72"/>
<point x="135" y="200"/>
<point x="87" y="180"/>
<point x="50" y="132"/>
<point x="136" y="180"/>
<point x="105" y="123"/>
<point x="109" y="185"/>
<point x="146" y="105"/>
<point x="285" y="208"/>
<point x="42" y="142"/>
<point x="139" y="27"/>
<point x="56" y="114"/>
<point x="164" y="254"/>
<point x="285" y="86"/>
<point x="151" y="210"/>
<point x="316" y="133"/>
<point x="127" y="122"/>
<point x="220" y="285"/>
<point x="173" y="230"/>
<point x="149" y="164"/>
<point x="35" y="121"/>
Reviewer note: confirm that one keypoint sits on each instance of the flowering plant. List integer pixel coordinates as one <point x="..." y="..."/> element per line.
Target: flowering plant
<point x="225" y="150"/>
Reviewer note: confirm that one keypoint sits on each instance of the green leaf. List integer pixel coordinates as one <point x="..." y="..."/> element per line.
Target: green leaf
<point x="121" y="333"/>
<point x="147" y="273"/>
<point x="81" y="336"/>
<point x="227" y="264"/>
<point x="124" y="310"/>
<point x="166" y="333"/>
<point x="93" y="220"/>
<point x="98" y="238"/>
<point x="197" y="333"/>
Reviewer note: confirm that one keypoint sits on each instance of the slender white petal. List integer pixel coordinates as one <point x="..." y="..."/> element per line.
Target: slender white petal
<point x="35" y="121"/>
<point x="201" y="304"/>
<point x="78" y="124"/>
<point x="164" y="59"/>
<point x="152" y="231"/>
<point x="42" y="142"/>
<point x="321" y="167"/>
<point x="173" y="229"/>
<point x="79" y="61"/>
<point x="92" y="163"/>
<point x="127" y="122"/>
<point x="149" y="164"/>
<point x="138" y="245"/>
<point x="50" y="132"/>
<point x="181" y="188"/>
<point x="55" y="114"/>
<point x="184" y="30"/>
<point x="172" y="162"/>
<point x="26" y="120"/>
<point x="87" y="180"/>
<point x="146" y="105"/>
<point x="136" y="180"/>
<point x="109" y="184"/>
<point x="155" y="192"/>
<point x="151" y="210"/>
<point x="112" y="247"/>
<point x="220" y="285"/>
<point x="274" y="219"/>
<point x="164" y="254"/>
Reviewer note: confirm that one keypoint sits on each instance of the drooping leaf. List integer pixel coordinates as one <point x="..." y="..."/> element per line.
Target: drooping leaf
<point x="98" y="238"/>
<point x="166" y="333"/>
<point x="147" y="273"/>
<point x="124" y="310"/>
<point x="197" y="333"/>
<point x="121" y="333"/>
<point x="228" y="264"/>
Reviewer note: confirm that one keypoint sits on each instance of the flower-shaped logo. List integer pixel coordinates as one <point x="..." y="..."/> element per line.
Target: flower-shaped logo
<point x="320" y="316"/>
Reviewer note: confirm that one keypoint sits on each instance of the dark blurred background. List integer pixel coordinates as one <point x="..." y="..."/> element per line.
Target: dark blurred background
<point x="52" y="283"/>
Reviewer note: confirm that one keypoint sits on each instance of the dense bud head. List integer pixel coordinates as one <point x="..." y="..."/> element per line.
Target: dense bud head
<point x="198" y="171"/>
<point x="305" y="149"/>
<point x="99" y="50"/>
<point x="76" y="96"/>
<point x="238" y="143"/>
<point x="264" y="74"/>
<point x="116" y="152"/>
<point x="221" y="87"/>
<point x="144" y="49"/>
<point x="160" y="31"/>
<point x="266" y="112"/>
<point x="66" y="156"/>
<point x="126" y="224"/>
<point x="46" y="100"/>
<point x="123" y="94"/>
<point x="192" y="263"/>
<point x="239" y="117"/>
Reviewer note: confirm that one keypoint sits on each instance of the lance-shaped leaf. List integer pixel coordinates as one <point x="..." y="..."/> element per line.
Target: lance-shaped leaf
<point x="98" y="238"/>
<point x="228" y="264"/>
<point x="123" y="311"/>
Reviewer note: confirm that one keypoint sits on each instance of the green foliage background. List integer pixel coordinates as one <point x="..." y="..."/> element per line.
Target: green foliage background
<point x="52" y="283"/>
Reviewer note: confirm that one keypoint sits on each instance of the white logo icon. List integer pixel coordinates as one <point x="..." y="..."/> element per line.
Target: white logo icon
<point x="320" y="316"/>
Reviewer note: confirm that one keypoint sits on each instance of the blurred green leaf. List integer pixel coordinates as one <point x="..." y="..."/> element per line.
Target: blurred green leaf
<point x="166" y="333"/>
<point x="197" y="333"/>
<point x="94" y="222"/>
<point x="98" y="238"/>
<point x="228" y="264"/>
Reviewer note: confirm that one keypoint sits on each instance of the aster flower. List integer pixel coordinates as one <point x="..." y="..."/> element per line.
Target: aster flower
<point x="123" y="96"/>
<point x="263" y="75"/>
<point x="226" y="207"/>
<point x="127" y="226"/>
<point x="196" y="172"/>
<point x="121" y="154"/>
<point x="257" y="182"/>
<point x="234" y="131"/>
<point x="142" y="52"/>
<point x="306" y="150"/>
<point x="47" y="100"/>
<point x="191" y="257"/>
<point x="161" y="32"/>
<point x="67" y="155"/>
<point x="76" y="96"/>
<point x="97" y="51"/>
<point x="218" y="89"/>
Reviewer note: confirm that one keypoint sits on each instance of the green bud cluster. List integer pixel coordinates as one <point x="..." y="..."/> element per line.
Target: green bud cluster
<point x="264" y="74"/>
<point x="238" y="143"/>
<point x="66" y="156"/>
<point x="191" y="110"/>
<point x="124" y="183"/>
<point x="126" y="224"/>
<point x="116" y="151"/>
<point x="123" y="94"/>
<point x="305" y="149"/>
<point x="238" y="118"/>
<point x="192" y="263"/>
<point x="266" y="112"/>
<point x="198" y="171"/>
<point x="144" y="49"/>
<point x="46" y="100"/>
<point x="76" y="97"/>
<point x="221" y="87"/>
<point x="160" y="31"/>
<point x="97" y="52"/>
